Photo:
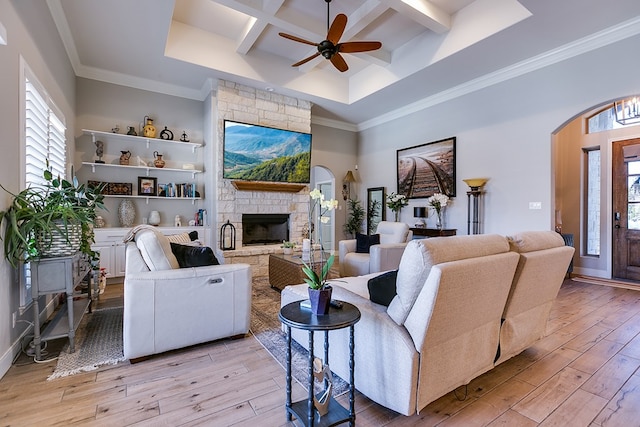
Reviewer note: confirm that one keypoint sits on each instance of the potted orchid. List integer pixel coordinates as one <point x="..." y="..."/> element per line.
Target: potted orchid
<point x="319" y="290"/>
<point x="396" y="202"/>
<point x="438" y="202"/>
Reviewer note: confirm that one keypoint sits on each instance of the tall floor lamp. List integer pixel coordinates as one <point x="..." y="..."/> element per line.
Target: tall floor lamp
<point x="473" y="203"/>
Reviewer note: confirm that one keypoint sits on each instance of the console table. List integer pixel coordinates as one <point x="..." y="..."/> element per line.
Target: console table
<point x="58" y="275"/>
<point x="293" y="316"/>
<point x="434" y="232"/>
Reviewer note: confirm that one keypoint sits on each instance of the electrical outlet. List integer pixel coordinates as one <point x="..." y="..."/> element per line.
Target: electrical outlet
<point x="535" y="205"/>
<point x="14" y="318"/>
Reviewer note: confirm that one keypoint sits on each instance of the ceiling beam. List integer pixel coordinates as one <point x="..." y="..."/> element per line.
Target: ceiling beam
<point x="255" y="27"/>
<point x="424" y="13"/>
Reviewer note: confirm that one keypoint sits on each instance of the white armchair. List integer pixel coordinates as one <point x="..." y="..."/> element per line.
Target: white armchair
<point x="381" y="257"/>
<point x="167" y="307"/>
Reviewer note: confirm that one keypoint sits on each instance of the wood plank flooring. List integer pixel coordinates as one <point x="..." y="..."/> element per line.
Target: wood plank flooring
<point x="583" y="373"/>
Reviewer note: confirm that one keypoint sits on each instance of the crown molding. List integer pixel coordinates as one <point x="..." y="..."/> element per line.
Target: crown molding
<point x="586" y="44"/>
<point x="336" y="124"/>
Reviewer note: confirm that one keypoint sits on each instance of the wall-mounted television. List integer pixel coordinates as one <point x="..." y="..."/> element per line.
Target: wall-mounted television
<point x="260" y="153"/>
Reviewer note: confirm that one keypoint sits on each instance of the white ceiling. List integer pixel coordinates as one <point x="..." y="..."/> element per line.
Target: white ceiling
<point x="432" y="50"/>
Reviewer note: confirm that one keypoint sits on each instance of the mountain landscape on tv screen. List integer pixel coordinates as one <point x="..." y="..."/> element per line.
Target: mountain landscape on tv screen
<point x="259" y="153"/>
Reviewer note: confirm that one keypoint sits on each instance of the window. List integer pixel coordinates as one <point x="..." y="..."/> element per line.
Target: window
<point x="44" y="136"/>
<point x="592" y="190"/>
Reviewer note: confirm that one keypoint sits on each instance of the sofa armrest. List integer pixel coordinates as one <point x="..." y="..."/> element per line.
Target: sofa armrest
<point x="384" y="257"/>
<point x="164" y="310"/>
<point x="345" y="247"/>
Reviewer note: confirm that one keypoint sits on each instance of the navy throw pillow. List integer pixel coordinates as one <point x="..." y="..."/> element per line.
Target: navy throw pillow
<point x="382" y="288"/>
<point x="364" y="242"/>
<point x="193" y="256"/>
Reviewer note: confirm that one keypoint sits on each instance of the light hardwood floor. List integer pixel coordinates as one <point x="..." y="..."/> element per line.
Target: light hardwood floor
<point x="584" y="373"/>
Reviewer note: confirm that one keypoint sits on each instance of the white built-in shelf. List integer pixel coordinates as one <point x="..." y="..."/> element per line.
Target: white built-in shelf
<point x="139" y="139"/>
<point x="130" y="196"/>
<point x="93" y="165"/>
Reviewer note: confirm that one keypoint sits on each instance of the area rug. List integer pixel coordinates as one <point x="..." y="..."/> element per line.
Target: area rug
<point x="98" y="343"/>
<point x="266" y="327"/>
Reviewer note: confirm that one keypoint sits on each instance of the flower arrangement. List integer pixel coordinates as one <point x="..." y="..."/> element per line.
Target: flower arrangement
<point x="322" y="206"/>
<point x="395" y="202"/>
<point x="437" y="202"/>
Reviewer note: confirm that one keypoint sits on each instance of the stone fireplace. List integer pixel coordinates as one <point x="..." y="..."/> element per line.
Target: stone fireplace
<point x="249" y="105"/>
<point x="264" y="229"/>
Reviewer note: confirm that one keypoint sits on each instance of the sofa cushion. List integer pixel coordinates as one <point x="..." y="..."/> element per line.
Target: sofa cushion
<point x="193" y="256"/>
<point x="364" y="242"/>
<point x="392" y="232"/>
<point x="155" y="249"/>
<point x="420" y="255"/>
<point x="529" y="241"/>
<point x="184" y="238"/>
<point x="382" y="288"/>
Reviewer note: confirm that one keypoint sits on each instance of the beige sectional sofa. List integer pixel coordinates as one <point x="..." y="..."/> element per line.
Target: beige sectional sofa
<point x="461" y="303"/>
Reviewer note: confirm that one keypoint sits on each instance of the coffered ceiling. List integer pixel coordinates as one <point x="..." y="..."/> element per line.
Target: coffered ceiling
<point x="431" y="49"/>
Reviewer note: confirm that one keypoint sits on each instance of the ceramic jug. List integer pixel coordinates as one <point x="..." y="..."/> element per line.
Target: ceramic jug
<point x="158" y="162"/>
<point x="132" y="131"/>
<point x="124" y="157"/>
<point x="149" y="129"/>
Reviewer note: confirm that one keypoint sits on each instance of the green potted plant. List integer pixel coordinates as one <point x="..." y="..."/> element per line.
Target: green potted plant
<point x="288" y="247"/>
<point x="53" y="219"/>
<point x="355" y="218"/>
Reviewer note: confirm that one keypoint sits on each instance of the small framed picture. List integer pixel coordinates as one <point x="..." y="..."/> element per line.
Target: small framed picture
<point x="147" y="186"/>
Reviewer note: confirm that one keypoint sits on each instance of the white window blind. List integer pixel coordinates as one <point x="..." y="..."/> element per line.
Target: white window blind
<point x="44" y="134"/>
<point x="45" y="138"/>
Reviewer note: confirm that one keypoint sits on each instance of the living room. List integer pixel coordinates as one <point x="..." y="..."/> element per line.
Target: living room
<point x="508" y="126"/>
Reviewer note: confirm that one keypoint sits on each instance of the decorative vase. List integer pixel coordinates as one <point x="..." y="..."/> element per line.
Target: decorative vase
<point x="154" y="218"/>
<point x="287" y="251"/>
<point x="158" y="162"/>
<point x="126" y="213"/>
<point x="149" y="129"/>
<point x="99" y="222"/>
<point x="124" y="157"/>
<point x="439" y="221"/>
<point x="320" y="299"/>
<point x="397" y="215"/>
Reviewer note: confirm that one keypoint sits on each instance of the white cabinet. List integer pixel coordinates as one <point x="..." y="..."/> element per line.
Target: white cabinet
<point x="109" y="242"/>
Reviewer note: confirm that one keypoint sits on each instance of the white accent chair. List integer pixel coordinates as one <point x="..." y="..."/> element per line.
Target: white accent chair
<point x="167" y="307"/>
<point x="385" y="256"/>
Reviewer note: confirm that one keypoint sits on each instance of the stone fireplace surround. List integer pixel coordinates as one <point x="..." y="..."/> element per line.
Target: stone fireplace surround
<point x="249" y="105"/>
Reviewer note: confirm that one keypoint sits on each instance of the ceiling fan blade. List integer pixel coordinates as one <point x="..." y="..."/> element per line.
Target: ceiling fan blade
<point x="305" y="60"/>
<point x="337" y="28"/>
<point x="354" y="47"/>
<point x="338" y="61"/>
<point x="297" y="39"/>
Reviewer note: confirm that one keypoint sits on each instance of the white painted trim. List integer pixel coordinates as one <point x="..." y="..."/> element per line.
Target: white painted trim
<point x="586" y="44"/>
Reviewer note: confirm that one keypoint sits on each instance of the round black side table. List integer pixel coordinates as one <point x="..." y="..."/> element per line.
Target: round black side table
<point x="294" y="316"/>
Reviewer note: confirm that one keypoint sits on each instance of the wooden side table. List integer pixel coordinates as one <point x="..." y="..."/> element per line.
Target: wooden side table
<point x="293" y="316"/>
<point x="434" y="232"/>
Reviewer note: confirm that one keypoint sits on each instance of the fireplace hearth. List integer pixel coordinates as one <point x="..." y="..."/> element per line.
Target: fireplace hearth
<point x="264" y="229"/>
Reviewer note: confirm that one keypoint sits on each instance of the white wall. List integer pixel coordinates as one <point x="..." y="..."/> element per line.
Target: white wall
<point x="504" y="132"/>
<point x="35" y="39"/>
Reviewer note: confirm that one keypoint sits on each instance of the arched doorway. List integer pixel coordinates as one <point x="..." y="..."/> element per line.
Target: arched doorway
<point x="584" y="188"/>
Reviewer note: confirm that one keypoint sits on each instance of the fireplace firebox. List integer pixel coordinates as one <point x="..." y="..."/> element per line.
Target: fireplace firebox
<point x="264" y="229"/>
